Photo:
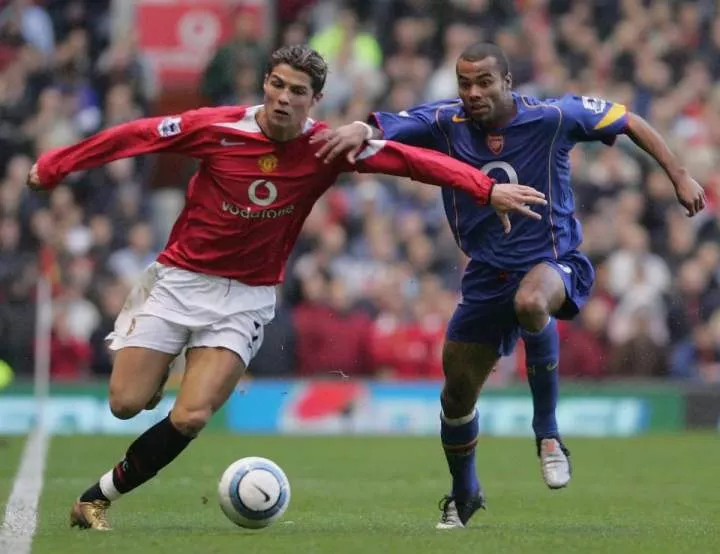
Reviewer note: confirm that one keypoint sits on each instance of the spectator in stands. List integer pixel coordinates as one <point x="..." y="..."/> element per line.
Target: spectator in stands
<point x="112" y="296"/>
<point x="244" y="50"/>
<point x="69" y="355"/>
<point x="376" y="258"/>
<point x="32" y="22"/>
<point x="584" y="348"/>
<point x="641" y="352"/>
<point x="332" y="337"/>
<point x="129" y="263"/>
<point x="697" y="358"/>
<point x="692" y="301"/>
<point x="354" y="59"/>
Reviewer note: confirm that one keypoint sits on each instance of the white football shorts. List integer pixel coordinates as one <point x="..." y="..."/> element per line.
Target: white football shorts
<point x="171" y="308"/>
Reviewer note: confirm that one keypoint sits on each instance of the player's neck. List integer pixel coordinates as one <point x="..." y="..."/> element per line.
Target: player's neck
<point x="504" y="116"/>
<point x="274" y="132"/>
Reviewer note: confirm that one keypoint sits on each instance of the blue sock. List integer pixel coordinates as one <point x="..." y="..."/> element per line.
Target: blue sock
<point x="459" y="437"/>
<point x="543" y="351"/>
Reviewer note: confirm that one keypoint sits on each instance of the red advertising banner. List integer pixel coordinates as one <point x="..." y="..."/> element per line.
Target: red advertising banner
<point x="180" y="36"/>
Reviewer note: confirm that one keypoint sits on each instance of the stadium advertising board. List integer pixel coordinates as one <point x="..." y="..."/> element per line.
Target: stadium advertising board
<point x="355" y="407"/>
<point x="359" y="407"/>
<point x="179" y="37"/>
<point x="74" y="415"/>
<point x="702" y="408"/>
<point x="77" y="409"/>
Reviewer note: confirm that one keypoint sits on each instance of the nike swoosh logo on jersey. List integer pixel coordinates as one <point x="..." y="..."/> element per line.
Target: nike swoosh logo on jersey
<point x="266" y="495"/>
<point x="226" y="142"/>
<point x="457" y="119"/>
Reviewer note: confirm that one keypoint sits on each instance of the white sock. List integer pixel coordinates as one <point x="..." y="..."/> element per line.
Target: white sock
<point x="457" y="422"/>
<point x="107" y="486"/>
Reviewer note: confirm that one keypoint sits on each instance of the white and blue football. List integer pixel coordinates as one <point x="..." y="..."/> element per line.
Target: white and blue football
<point x="254" y="492"/>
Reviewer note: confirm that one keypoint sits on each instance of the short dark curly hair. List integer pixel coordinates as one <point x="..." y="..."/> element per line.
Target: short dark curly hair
<point x="305" y="59"/>
<point x="481" y="50"/>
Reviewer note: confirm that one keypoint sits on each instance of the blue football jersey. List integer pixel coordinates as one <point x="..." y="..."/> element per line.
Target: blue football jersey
<point x="533" y="149"/>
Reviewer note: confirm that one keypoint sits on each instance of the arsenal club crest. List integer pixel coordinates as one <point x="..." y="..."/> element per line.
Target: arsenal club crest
<point x="268" y="163"/>
<point x="495" y="143"/>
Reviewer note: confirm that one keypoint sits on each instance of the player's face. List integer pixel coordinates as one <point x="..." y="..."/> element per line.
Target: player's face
<point x="288" y="96"/>
<point x="483" y="89"/>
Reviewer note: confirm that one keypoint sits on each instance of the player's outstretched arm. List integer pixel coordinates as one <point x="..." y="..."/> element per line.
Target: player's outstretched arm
<point x="428" y="166"/>
<point x="142" y="136"/>
<point x="688" y="191"/>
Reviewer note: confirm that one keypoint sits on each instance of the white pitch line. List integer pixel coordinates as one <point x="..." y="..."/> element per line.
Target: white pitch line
<point x="17" y="531"/>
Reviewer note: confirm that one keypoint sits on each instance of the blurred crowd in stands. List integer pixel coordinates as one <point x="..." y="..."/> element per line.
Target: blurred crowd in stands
<point x="375" y="275"/>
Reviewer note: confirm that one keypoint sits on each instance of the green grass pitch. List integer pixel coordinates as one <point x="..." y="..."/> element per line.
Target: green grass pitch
<point x="657" y="494"/>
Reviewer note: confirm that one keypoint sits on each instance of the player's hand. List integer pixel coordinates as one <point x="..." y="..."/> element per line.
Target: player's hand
<point x="508" y="197"/>
<point x="33" y="180"/>
<point x="348" y="138"/>
<point x="690" y="194"/>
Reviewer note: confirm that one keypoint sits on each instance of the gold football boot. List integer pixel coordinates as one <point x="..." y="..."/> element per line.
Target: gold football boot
<point x="90" y="515"/>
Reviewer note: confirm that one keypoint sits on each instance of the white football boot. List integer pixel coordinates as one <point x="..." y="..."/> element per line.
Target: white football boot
<point x="455" y="515"/>
<point x="554" y="463"/>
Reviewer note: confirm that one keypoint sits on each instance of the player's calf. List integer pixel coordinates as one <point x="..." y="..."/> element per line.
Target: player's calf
<point x="150" y="452"/>
<point x="541" y="292"/>
<point x="466" y="367"/>
<point x="459" y="438"/>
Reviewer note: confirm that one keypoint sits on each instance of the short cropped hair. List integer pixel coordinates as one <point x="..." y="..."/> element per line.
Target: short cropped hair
<point x="302" y="58"/>
<point x="481" y="50"/>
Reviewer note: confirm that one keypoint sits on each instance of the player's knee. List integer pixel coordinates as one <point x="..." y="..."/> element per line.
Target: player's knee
<point x="124" y="406"/>
<point x="531" y="305"/>
<point x="190" y="421"/>
<point x="459" y="394"/>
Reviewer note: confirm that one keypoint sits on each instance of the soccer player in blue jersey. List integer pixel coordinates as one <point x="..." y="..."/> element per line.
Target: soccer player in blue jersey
<point x="516" y="284"/>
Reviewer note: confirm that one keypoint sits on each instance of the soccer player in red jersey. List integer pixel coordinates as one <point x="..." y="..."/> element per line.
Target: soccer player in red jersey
<point x="212" y="289"/>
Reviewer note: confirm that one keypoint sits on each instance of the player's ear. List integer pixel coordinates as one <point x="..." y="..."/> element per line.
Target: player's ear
<point x="316" y="98"/>
<point x="508" y="81"/>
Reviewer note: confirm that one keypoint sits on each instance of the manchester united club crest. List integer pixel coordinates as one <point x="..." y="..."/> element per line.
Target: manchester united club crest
<point x="495" y="143"/>
<point x="268" y="163"/>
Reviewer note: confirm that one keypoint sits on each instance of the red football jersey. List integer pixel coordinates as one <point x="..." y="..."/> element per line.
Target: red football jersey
<point x="248" y="200"/>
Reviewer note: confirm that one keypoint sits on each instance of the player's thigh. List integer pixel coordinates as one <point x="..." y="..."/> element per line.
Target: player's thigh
<point x="478" y="334"/>
<point x="217" y="357"/>
<point x="211" y="374"/>
<point x="541" y="291"/>
<point x="142" y="357"/>
<point x="136" y="375"/>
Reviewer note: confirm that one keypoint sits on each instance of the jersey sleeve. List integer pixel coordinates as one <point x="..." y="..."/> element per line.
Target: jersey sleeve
<point x="418" y="126"/>
<point x="593" y="119"/>
<point x="421" y="164"/>
<point x="181" y="134"/>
